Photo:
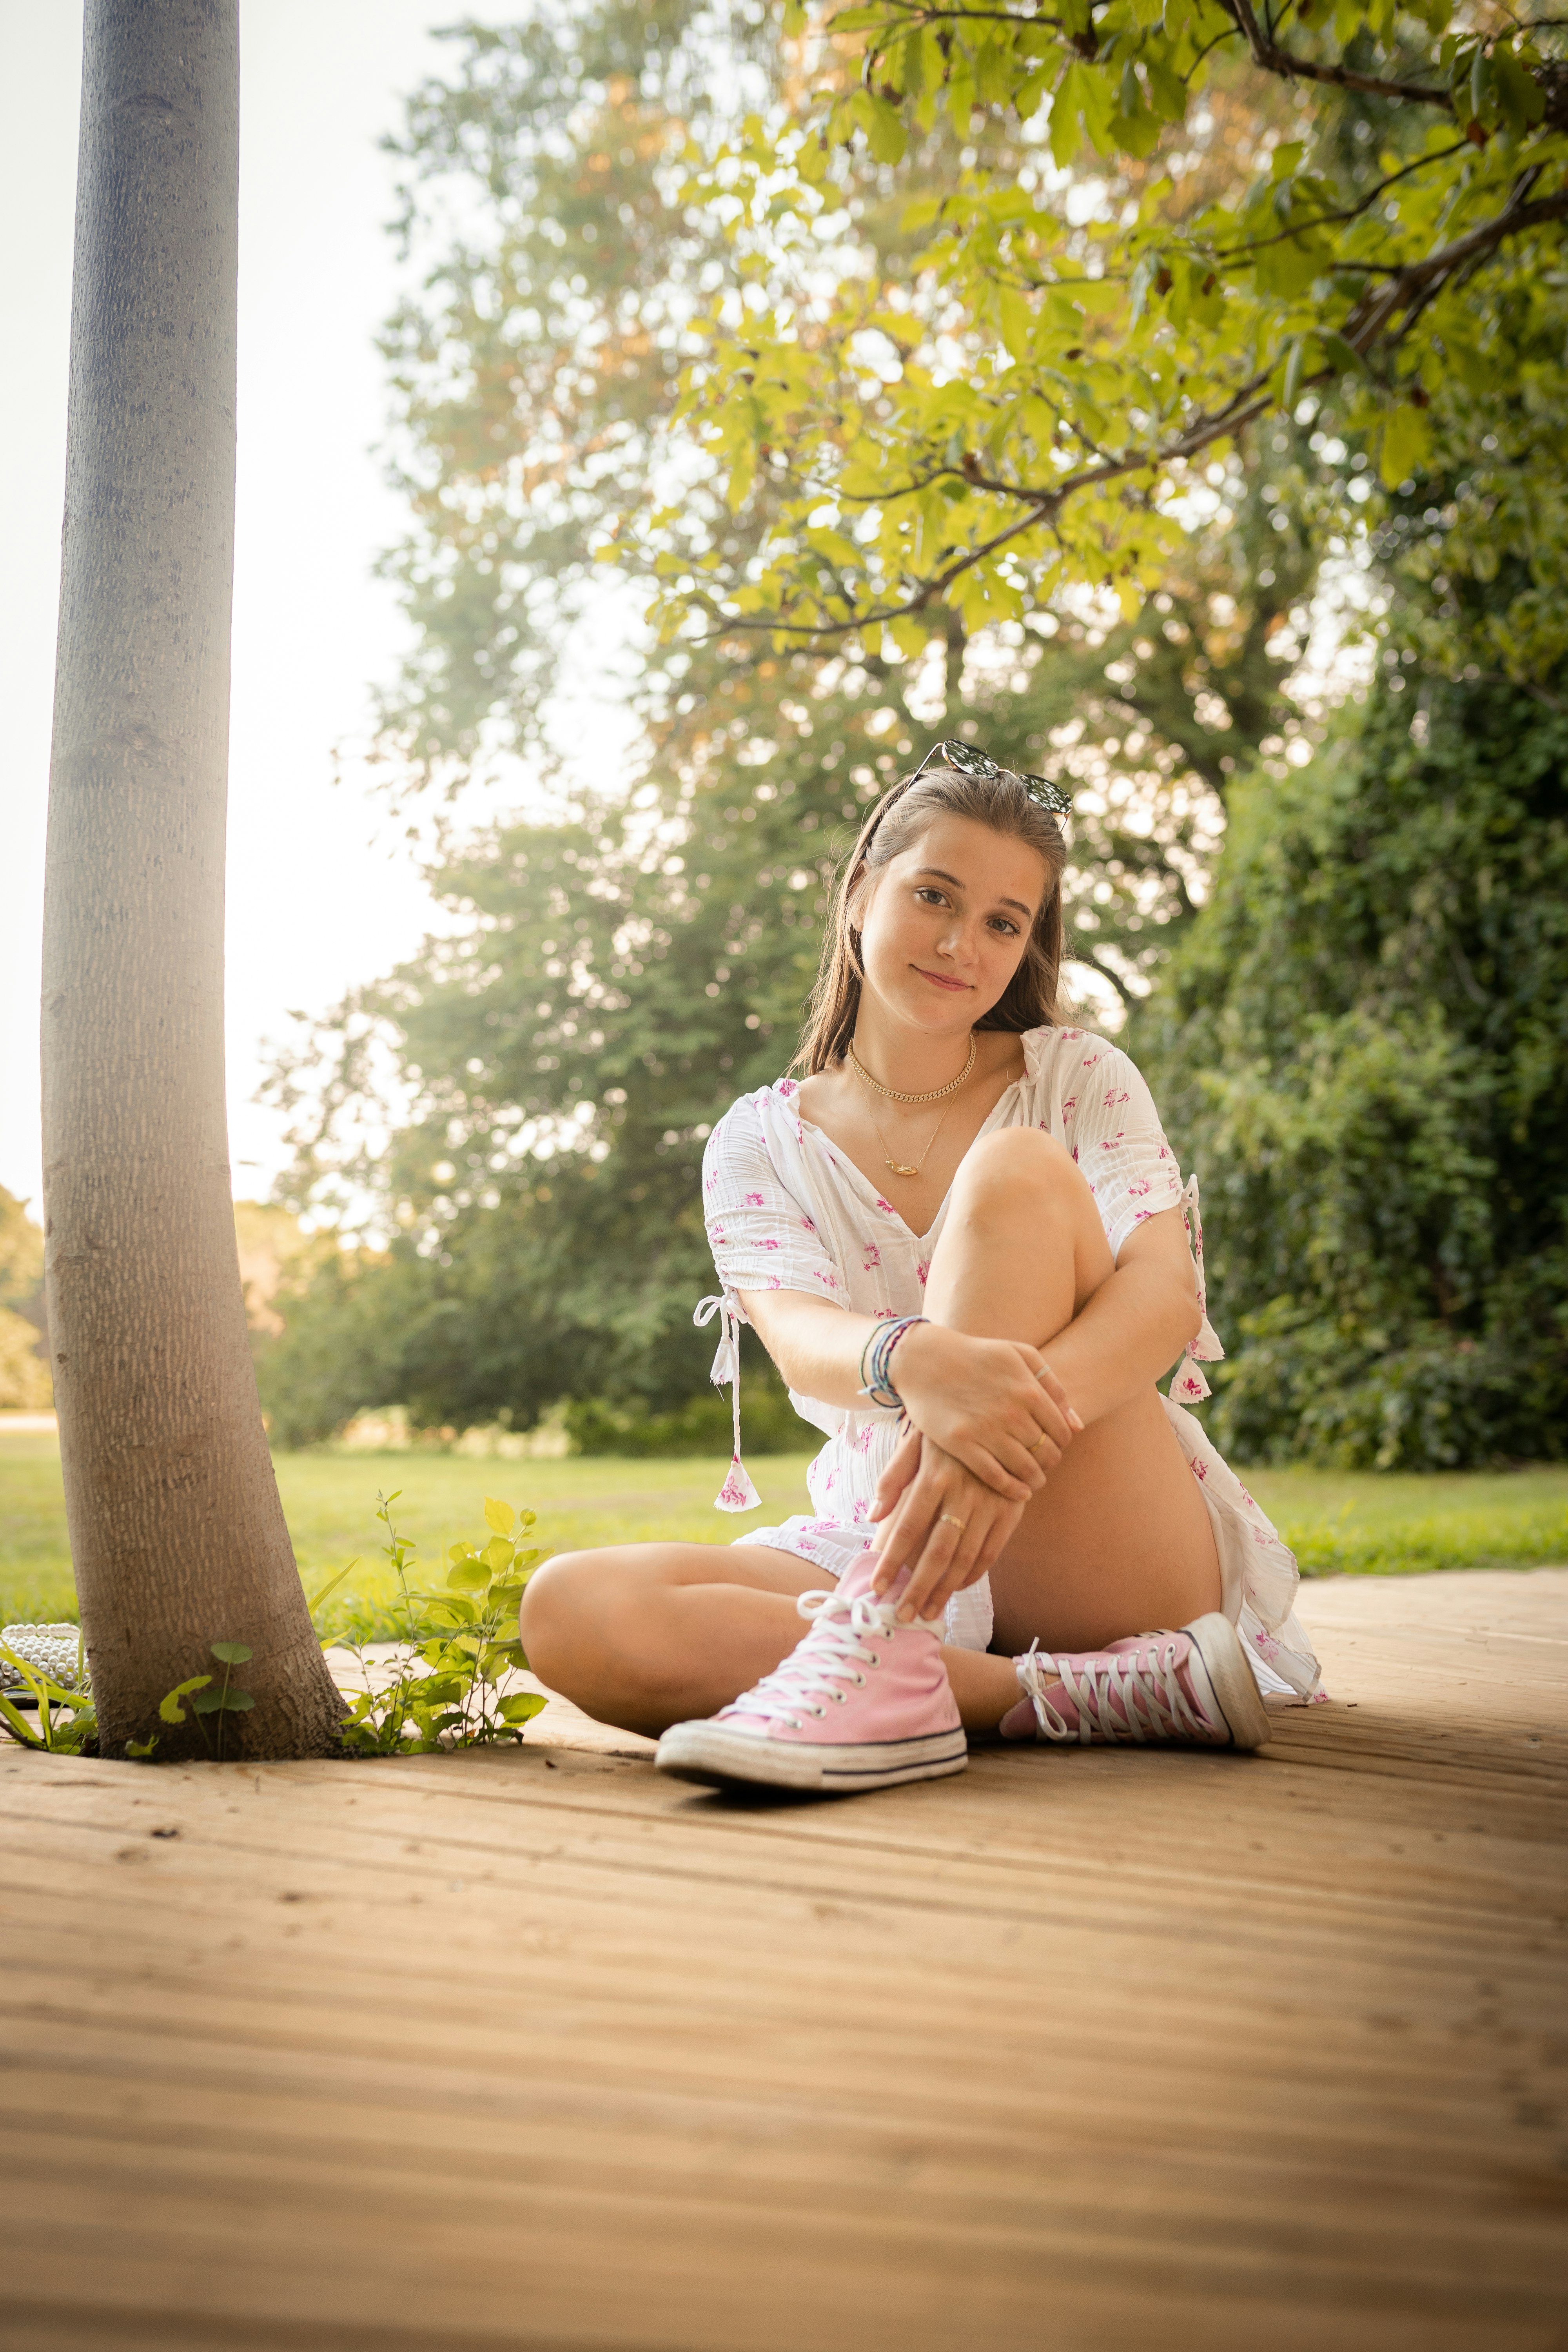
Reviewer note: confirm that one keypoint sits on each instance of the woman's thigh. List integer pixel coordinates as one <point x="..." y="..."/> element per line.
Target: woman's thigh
<point x="647" y="1566"/>
<point x="1119" y="1540"/>
<point x="606" y="1603"/>
<point x="648" y="1635"/>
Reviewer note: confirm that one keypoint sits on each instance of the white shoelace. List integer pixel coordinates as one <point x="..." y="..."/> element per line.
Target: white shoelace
<point x="837" y="1650"/>
<point x="1154" y="1704"/>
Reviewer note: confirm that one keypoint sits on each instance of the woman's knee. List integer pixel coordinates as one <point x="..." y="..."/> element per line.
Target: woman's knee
<point x="1014" y="1160"/>
<point x="558" y="1604"/>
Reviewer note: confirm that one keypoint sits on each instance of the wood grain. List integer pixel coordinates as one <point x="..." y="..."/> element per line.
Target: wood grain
<point x="1082" y="2049"/>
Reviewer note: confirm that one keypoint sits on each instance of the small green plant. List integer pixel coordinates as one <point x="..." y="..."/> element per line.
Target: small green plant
<point x="67" y="1720"/>
<point x="454" y="1648"/>
<point x="205" y="1701"/>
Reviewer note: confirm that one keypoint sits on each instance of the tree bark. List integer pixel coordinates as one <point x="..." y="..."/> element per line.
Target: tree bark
<point x="176" y="1528"/>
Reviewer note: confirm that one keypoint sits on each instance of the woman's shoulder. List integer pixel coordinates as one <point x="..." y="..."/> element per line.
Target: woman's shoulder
<point x="1056" y="1057"/>
<point x="768" y="1115"/>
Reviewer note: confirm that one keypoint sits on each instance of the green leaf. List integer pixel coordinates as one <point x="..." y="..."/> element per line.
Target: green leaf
<point x="909" y="634"/>
<point x="1520" y="95"/>
<point x="20" y="1725"/>
<point x="140" y="1749"/>
<point x="1016" y="322"/>
<point x="326" y="1591"/>
<point x="1407" y="438"/>
<point x="1296" y="350"/>
<point x="223" y="1702"/>
<point x="496" y="1554"/>
<point x="169" y="1707"/>
<point x="499" y="1516"/>
<point x="1167" y="90"/>
<point x="519" y="1707"/>
<point x="231" y="1654"/>
<point x="1343" y="357"/>
<point x="1066" y="131"/>
<point x="469" y="1576"/>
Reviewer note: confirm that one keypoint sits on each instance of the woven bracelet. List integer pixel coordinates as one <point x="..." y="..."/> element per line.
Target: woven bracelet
<point x="877" y="1381"/>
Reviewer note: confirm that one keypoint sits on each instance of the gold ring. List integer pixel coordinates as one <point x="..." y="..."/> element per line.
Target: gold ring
<point x="1038" y="1442"/>
<point x="959" y="1524"/>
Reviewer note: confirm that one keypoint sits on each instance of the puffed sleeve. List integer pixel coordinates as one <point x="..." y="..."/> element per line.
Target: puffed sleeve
<point x="1113" y="1130"/>
<point x="762" y="1235"/>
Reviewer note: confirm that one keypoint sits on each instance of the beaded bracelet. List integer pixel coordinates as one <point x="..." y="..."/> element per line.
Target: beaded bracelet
<point x="875" y="1381"/>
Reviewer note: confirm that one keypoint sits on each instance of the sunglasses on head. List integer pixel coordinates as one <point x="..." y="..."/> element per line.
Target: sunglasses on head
<point x="968" y="761"/>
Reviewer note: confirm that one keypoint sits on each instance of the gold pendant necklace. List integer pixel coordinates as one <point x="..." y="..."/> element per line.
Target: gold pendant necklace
<point x="943" y="1095"/>
<point x="903" y="1167"/>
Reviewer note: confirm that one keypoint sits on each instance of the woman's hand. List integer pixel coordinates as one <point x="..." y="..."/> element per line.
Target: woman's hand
<point x="994" y="1405"/>
<point x="944" y="1525"/>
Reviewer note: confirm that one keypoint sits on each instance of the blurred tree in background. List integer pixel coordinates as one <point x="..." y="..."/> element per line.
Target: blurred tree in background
<point x="1364" y="1038"/>
<point x="671" y="316"/>
<point x="612" y="979"/>
<point x="25" y="1384"/>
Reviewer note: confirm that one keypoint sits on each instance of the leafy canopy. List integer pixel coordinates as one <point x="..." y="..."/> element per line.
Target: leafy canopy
<point x="1166" y="222"/>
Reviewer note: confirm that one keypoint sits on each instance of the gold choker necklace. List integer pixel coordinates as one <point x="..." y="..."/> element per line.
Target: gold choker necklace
<point x="937" y="1094"/>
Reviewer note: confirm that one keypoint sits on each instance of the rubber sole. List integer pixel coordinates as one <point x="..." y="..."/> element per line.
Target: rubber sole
<point x="1231" y="1679"/>
<point x="708" y="1753"/>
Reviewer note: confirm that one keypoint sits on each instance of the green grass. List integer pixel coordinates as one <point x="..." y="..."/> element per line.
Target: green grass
<point x="329" y="1499"/>
<point x="1357" y="1524"/>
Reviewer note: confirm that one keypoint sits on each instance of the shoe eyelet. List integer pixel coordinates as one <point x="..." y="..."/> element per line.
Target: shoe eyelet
<point x="840" y="1698"/>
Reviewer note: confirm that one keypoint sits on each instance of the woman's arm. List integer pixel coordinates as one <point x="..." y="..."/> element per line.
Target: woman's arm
<point x="1133" y="1326"/>
<point x="1136" y="1324"/>
<point x="987" y="1401"/>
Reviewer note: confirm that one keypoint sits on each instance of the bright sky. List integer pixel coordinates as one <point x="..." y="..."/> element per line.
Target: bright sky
<point x="322" y="893"/>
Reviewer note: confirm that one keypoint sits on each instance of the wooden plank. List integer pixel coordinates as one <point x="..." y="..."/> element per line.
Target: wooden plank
<point x="535" y="2048"/>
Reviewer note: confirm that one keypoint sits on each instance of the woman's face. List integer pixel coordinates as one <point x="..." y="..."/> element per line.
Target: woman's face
<point x="943" y="926"/>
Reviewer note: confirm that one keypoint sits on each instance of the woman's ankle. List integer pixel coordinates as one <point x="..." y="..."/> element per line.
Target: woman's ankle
<point x="984" y="1686"/>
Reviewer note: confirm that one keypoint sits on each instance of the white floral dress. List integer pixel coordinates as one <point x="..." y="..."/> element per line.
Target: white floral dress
<point x="786" y="1209"/>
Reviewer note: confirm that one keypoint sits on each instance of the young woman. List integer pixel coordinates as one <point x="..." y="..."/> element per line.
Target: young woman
<point x="964" y="1242"/>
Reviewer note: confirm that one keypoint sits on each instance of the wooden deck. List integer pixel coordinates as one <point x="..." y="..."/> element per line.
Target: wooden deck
<point x="1079" y="2050"/>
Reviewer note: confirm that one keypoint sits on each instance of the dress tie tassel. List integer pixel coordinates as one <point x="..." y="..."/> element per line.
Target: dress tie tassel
<point x="737" y="1493"/>
<point x="1187" y="1384"/>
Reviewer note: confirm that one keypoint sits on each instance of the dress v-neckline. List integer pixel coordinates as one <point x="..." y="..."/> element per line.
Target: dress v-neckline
<point x="876" y="1198"/>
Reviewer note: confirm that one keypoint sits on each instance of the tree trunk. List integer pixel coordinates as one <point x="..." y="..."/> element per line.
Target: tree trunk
<point x="176" y="1528"/>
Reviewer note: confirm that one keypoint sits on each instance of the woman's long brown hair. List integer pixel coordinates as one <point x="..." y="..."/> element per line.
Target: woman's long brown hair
<point x="1032" y="1000"/>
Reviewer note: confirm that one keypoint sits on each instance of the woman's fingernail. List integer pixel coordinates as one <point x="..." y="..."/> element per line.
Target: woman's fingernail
<point x="1074" y="1418"/>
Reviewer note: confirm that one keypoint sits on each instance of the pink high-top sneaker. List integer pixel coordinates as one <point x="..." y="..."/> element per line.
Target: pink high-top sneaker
<point x="861" y="1703"/>
<point x="1195" y="1686"/>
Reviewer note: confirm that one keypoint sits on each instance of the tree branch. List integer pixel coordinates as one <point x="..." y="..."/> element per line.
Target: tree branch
<point x="1090" y="956"/>
<point x="1303" y="69"/>
<point x="1351" y="212"/>
<point x="1367" y="322"/>
<point x="1267" y="53"/>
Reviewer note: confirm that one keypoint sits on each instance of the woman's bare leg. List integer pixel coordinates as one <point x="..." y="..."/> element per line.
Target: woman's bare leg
<point x="644" y="1635"/>
<point x="1119" y="1540"/>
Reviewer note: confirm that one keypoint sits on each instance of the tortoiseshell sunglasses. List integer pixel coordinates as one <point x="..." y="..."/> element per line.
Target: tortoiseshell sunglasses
<point x="968" y="761"/>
